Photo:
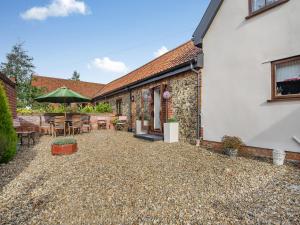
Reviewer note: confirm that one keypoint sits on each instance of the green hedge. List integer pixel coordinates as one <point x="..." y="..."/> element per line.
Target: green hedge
<point x="8" y="138"/>
<point x="99" y="108"/>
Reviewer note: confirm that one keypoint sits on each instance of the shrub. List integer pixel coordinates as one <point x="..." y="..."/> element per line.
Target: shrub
<point x="103" y="108"/>
<point x="8" y="136"/>
<point x="29" y="111"/>
<point x="50" y="108"/>
<point x="172" y="120"/>
<point x="64" y="141"/>
<point x="115" y="121"/>
<point x="229" y="142"/>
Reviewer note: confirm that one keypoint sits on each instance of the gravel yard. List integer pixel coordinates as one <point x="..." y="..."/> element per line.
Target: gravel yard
<point x="117" y="179"/>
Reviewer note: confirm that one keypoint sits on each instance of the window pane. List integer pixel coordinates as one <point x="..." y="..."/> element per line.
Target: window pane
<point x="269" y="2"/>
<point x="258" y="4"/>
<point x="288" y="78"/>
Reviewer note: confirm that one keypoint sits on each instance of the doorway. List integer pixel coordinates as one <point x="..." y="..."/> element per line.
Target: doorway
<point x="157" y="109"/>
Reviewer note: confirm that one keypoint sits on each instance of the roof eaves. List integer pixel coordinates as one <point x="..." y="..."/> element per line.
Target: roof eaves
<point x="206" y="21"/>
<point x="126" y="87"/>
<point x="7" y="80"/>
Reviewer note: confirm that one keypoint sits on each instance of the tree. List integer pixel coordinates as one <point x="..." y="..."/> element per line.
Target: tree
<point x="75" y="76"/>
<point x="19" y="66"/>
<point x="8" y="138"/>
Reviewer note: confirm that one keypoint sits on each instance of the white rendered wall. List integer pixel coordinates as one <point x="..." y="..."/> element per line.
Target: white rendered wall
<point x="237" y="75"/>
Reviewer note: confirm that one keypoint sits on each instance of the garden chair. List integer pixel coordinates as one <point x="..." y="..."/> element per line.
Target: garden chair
<point x="86" y="123"/>
<point x="121" y="123"/>
<point x="59" y="125"/>
<point x="45" y="125"/>
<point x="76" y="125"/>
<point x="102" y="123"/>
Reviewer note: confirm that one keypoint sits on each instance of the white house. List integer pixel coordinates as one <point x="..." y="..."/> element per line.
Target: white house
<point x="251" y="72"/>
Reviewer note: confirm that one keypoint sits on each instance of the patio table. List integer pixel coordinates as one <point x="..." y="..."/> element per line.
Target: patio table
<point x="26" y="134"/>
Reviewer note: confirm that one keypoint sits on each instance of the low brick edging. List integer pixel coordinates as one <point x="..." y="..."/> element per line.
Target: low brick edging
<point x="249" y="151"/>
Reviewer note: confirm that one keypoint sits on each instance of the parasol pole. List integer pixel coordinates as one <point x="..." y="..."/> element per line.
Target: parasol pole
<point x="65" y="108"/>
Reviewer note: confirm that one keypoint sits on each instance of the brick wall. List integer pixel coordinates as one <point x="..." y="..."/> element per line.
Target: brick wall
<point x="10" y="89"/>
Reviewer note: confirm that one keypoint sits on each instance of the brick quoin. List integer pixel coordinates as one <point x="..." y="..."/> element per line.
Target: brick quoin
<point x="10" y="89"/>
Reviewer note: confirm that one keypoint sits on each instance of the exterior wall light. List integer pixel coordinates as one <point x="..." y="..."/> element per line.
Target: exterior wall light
<point x="166" y="95"/>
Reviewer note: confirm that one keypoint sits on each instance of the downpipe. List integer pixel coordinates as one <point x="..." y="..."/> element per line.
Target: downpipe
<point x="198" y="72"/>
<point x="297" y="140"/>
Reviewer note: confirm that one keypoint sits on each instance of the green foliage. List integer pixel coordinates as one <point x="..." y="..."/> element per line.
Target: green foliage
<point x="99" y="108"/>
<point x="29" y="111"/>
<point x="87" y="109"/>
<point x="229" y="142"/>
<point x="49" y="108"/>
<point x="115" y="121"/>
<point x="103" y="108"/>
<point x="64" y="141"/>
<point x="20" y="67"/>
<point x="75" y="76"/>
<point x="172" y="120"/>
<point x="8" y="138"/>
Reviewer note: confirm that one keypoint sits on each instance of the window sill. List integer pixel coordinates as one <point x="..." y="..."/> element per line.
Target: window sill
<point x="283" y="99"/>
<point x="266" y="8"/>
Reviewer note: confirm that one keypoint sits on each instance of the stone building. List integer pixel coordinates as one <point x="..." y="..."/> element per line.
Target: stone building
<point x="139" y="95"/>
<point x="10" y="89"/>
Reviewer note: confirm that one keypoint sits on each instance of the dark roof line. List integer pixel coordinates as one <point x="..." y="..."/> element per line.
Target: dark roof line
<point x="206" y="21"/>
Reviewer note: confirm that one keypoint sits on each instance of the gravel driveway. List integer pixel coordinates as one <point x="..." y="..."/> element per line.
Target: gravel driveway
<point x="117" y="179"/>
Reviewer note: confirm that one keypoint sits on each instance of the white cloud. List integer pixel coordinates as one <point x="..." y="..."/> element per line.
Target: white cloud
<point x="108" y="65"/>
<point x="57" y="8"/>
<point x="161" y="51"/>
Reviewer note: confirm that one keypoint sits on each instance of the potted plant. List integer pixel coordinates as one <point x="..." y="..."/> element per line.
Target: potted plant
<point x="114" y="122"/>
<point x="65" y="146"/>
<point x="171" y="130"/>
<point x="231" y="145"/>
<point x="138" y="126"/>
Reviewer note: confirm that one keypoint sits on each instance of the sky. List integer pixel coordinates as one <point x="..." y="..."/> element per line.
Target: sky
<point x="101" y="39"/>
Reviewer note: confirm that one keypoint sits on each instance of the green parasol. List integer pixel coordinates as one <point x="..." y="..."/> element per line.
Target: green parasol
<point x="62" y="95"/>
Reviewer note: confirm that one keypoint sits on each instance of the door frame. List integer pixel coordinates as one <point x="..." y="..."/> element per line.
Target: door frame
<point x="160" y="131"/>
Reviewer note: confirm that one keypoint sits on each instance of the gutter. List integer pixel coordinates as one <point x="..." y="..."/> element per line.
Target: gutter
<point x="159" y="76"/>
<point x="198" y="129"/>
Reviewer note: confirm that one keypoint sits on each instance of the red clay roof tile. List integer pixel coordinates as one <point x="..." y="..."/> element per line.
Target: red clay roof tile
<point x="87" y="89"/>
<point x="180" y="55"/>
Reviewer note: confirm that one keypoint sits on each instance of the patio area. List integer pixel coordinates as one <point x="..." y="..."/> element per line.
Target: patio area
<point x="117" y="179"/>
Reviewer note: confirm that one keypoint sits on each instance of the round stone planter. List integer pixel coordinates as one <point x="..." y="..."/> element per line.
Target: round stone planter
<point x="66" y="149"/>
<point x="232" y="153"/>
